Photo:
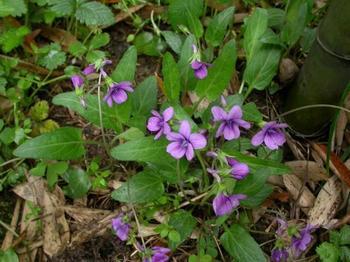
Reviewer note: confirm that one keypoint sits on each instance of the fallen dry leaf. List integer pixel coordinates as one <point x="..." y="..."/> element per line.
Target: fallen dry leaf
<point x="85" y="215"/>
<point x="63" y="37"/>
<point x="294" y="186"/>
<point x="326" y="204"/>
<point x="309" y="169"/>
<point x="335" y="164"/>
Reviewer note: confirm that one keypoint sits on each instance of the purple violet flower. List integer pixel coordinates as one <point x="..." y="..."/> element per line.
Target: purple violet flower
<point x="200" y="69"/>
<point x="238" y="170"/>
<point x="301" y="243"/>
<point x="90" y="69"/>
<point x="271" y="134"/>
<point x="160" y="254"/>
<point x="279" y="254"/>
<point x="117" y="93"/>
<point x="77" y="81"/>
<point x="184" y="143"/>
<point x="223" y="205"/>
<point x="121" y="228"/>
<point x="230" y="122"/>
<point x="159" y="122"/>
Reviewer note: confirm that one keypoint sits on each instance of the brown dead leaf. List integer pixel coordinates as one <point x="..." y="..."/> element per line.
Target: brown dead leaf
<point x="160" y="83"/>
<point x="123" y="15"/>
<point x="63" y="37"/>
<point x="335" y="164"/>
<point x="85" y="215"/>
<point x="294" y="186"/>
<point x="326" y="204"/>
<point x="203" y="104"/>
<point x="55" y="227"/>
<point x="309" y="169"/>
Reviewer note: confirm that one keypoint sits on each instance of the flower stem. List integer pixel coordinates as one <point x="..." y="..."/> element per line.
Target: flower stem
<point x="100" y="111"/>
<point x="205" y="176"/>
<point x="179" y="177"/>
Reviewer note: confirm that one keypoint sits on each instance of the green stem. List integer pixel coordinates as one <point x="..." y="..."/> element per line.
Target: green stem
<point x="314" y="106"/>
<point x="205" y="176"/>
<point x="100" y="111"/>
<point x="179" y="178"/>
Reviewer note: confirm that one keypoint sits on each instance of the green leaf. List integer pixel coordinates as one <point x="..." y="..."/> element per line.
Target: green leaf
<point x="12" y="7"/>
<point x="173" y="40"/>
<point x="78" y="183"/>
<point x="241" y="246"/>
<point x="273" y="167"/>
<point x="13" y="38"/>
<point x="63" y="7"/>
<point x="256" y="26"/>
<point x="187" y="13"/>
<point x="111" y="116"/>
<point x="171" y="77"/>
<point x="251" y="113"/>
<point x="345" y="235"/>
<point x="39" y="170"/>
<point x="94" y="55"/>
<point x="144" y="98"/>
<point x="328" y="252"/>
<point x="308" y="38"/>
<point x="131" y="134"/>
<point x="62" y="144"/>
<point x="263" y="67"/>
<point x="141" y="188"/>
<point x="219" y="74"/>
<point x="217" y="27"/>
<point x="99" y="40"/>
<point x="188" y="79"/>
<point x="149" y="44"/>
<point x="295" y="21"/>
<point x="52" y="56"/>
<point x="53" y="170"/>
<point x="8" y="256"/>
<point x="270" y="37"/>
<point x="94" y="14"/>
<point x="7" y="135"/>
<point x="275" y="17"/>
<point x="184" y="223"/>
<point x="77" y="49"/>
<point x="125" y="70"/>
<point x="145" y="149"/>
<point x="344" y="253"/>
<point x="174" y="236"/>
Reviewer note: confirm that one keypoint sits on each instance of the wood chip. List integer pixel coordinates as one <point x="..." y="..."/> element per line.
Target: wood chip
<point x="326" y="204"/>
<point x="294" y="186"/>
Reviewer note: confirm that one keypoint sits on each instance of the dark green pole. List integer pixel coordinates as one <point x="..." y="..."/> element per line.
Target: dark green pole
<point x="324" y="75"/>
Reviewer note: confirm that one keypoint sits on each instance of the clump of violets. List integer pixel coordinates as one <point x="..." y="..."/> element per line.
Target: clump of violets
<point x="184" y="143"/>
<point x="200" y="68"/>
<point x="271" y="135"/>
<point x="117" y="93"/>
<point x="230" y="123"/>
<point x="224" y="205"/>
<point x="238" y="170"/>
<point x="121" y="227"/>
<point x="290" y="240"/>
<point x="159" y="122"/>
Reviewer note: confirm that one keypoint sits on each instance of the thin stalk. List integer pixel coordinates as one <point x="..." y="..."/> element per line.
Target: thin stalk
<point x="7" y="227"/>
<point x="179" y="177"/>
<point x="10" y="161"/>
<point x="314" y="106"/>
<point x="100" y="110"/>
<point x="205" y="177"/>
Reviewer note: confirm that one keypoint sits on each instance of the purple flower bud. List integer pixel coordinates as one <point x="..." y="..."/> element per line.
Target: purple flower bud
<point x="121" y="228"/>
<point x="200" y="69"/>
<point x="212" y="154"/>
<point x="239" y="170"/>
<point x="279" y="255"/>
<point x="301" y="243"/>
<point x="104" y="63"/>
<point x="282" y="227"/>
<point x="271" y="134"/>
<point x="77" y="81"/>
<point x="159" y="122"/>
<point x="90" y="69"/>
<point x="223" y="101"/>
<point x="214" y="173"/>
<point x="223" y="205"/>
<point x="230" y="122"/>
<point x="117" y="93"/>
<point x="160" y="254"/>
<point x="184" y="143"/>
